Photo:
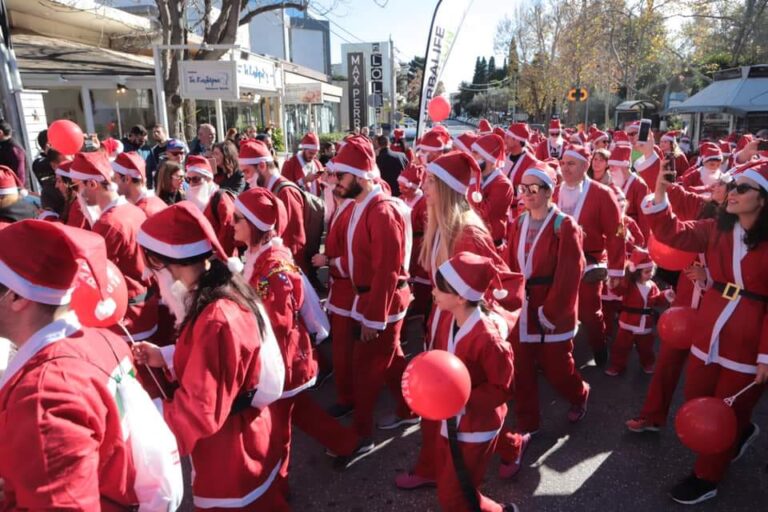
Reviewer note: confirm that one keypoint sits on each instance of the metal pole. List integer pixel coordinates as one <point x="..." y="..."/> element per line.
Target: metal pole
<point x="161" y="109"/>
<point x="219" y="119"/>
<point x="393" y="118"/>
<point x="85" y="95"/>
<point x="586" y="113"/>
<point x="119" y="120"/>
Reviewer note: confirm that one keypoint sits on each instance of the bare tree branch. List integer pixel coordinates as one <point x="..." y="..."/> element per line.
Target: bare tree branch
<point x="247" y="17"/>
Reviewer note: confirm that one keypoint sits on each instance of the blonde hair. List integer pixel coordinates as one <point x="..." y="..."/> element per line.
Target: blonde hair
<point x="448" y="213"/>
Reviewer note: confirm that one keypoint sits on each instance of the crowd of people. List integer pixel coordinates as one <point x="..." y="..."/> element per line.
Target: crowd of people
<point x="504" y="242"/>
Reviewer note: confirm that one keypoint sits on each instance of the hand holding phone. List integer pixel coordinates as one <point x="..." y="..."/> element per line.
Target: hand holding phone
<point x="645" y="130"/>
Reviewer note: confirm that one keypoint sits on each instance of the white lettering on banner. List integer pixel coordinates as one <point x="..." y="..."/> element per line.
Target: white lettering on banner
<point x="377" y="79"/>
<point x="358" y="106"/>
<point x="433" y="70"/>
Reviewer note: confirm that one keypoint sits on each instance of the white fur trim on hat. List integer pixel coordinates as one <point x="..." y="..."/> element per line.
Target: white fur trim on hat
<point x="31" y="291"/>
<point x="483" y="153"/>
<point x="405" y="182"/>
<point x="263" y="226"/>
<point x="513" y="135"/>
<point x="177" y="252"/>
<point x="314" y="147"/>
<point x="255" y="161"/>
<point x="367" y="175"/>
<point x="670" y="138"/>
<point x="619" y="163"/>
<point x="201" y="171"/>
<point x="543" y="176"/>
<point x="61" y="172"/>
<point x="447" y="178"/>
<point x="575" y="154"/>
<point x="125" y="171"/>
<point x="235" y="265"/>
<point x="756" y="177"/>
<point x="461" y="146"/>
<point x="82" y="176"/>
<point x="458" y="284"/>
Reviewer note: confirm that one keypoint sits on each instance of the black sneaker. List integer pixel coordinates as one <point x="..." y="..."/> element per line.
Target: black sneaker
<point x="747" y="438"/>
<point x="340" y="410"/>
<point x="363" y="449"/>
<point x="510" y="507"/>
<point x="693" y="490"/>
<point x="601" y="356"/>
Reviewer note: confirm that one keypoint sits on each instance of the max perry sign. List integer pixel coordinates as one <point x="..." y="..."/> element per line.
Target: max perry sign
<point x="210" y="80"/>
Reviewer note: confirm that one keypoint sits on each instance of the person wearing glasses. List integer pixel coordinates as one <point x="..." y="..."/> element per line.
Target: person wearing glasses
<point x="170" y="182"/>
<point x="554" y="146"/>
<point x="730" y="347"/>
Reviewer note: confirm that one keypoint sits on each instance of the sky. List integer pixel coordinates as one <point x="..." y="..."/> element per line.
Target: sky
<point x="407" y="21"/>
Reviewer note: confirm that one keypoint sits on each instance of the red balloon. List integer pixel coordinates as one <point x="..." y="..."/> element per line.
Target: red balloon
<point x="706" y="425"/>
<point x="91" y="308"/>
<point x="675" y="326"/>
<point x="65" y="136"/>
<point x="668" y="257"/>
<point x="439" y="108"/>
<point x="436" y="385"/>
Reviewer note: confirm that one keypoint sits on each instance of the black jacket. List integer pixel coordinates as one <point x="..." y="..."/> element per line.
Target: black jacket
<point x="391" y="164"/>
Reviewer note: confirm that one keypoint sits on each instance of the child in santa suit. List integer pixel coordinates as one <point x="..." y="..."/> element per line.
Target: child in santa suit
<point x="475" y="337"/>
<point x="639" y="295"/>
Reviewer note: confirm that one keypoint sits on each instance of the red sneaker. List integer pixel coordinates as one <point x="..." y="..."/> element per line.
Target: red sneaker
<point x="409" y="481"/>
<point x="577" y="412"/>
<point x="641" y="424"/>
<point x="508" y="470"/>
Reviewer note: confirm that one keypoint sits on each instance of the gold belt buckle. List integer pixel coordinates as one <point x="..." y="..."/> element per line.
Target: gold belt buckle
<point x="731" y="291"/>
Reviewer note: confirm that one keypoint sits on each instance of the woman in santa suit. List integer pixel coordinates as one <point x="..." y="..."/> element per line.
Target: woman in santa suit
<point x="453" y="227"/>
<point x="226" y="361"/>
<point x="631" y="185"/>
<point x="730" y="335"/>
<point x="410" y="181"/>
<point x="687" y="206"/>
<point x="546" y="246"/>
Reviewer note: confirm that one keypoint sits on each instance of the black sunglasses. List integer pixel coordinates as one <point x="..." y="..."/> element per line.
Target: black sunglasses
<point x="533" y="188"/>
<point x="741" y="188"/>
<point x="194" y="180"/>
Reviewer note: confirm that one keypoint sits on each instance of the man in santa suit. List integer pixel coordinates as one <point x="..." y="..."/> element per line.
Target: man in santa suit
<point x="463" y="142"/>
<point x="598" y="140"/>
<point x="595" y="209"/>
<point x="519" y="156"/>
<point x="554" y="146"/>
<point x="118" y="223"/>
<point x="399" y="145"/>
<point x="260" y="170"/>
<point x="303" y="168"/>
<point x="632" y="186"/>
<point x="410" y="182"/>
<point x="495" y="187"/>
<point x="65" y="448"/>
<point x="378" y="251"/>
<point x="217" y="204"/>
<point x="132" y="183"/>
<point x="708" y="172"/>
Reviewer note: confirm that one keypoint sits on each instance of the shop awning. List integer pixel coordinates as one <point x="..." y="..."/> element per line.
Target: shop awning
<point x="738" y="92"/>
<point x="38" y="54"/>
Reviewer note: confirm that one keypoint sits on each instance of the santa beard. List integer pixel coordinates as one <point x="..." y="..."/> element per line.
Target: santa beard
<point x="201" y="194"/>
<point x="91" y="213"/>
<point x="708" y="177"/>
<point x="174" y="293"/>
<point x="617" y="177"/>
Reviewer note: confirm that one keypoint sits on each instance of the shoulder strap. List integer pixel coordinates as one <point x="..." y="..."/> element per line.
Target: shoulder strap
<point x="559" y="217"/>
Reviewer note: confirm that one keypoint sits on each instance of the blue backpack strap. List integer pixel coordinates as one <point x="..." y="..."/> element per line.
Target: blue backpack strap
<point x="558" y="221"/>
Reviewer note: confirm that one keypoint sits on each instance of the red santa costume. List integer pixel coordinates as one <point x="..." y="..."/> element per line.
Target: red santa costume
<point x="495" y="188"/>
<point x="222" y="358"/>
<point x="270" y="270"/>
<point x="633" y="186"/>
<point x="598" y="140"/>
<point x="464" y="141"/>
<point x="119" y="224"/>
<point x="554" y="145"/>
<point x="207" y="196"/>
<point x="649" y="167"/>
<point x="398" y="144"/>
<point x="480" y="345"/>
<point x="595" y="209"/>
<point x="681" y="161"/>
<point x="551" y="259"/>
<point x="132" y="165"/>
<point x="297" y="168"/>
<point x="484" y="128"/>
<point x="65" y="448"/>
<point x="377" y="254"/>
<point x="699" y="178"/>
<point x="411" y="178"/>
<point x="638" y="298"/>
<point x="730" y="335"/>
<point x="516" y="165"/>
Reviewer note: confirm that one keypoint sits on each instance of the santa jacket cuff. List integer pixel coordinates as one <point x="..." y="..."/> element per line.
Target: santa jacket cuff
<point x="644" y="163"/>
<point x="649" y="208"/>
<point x="336" y="262"/>
<point x="544" y="321"/>
<point x="167" y="352"/>
<point x="762" y="359"/>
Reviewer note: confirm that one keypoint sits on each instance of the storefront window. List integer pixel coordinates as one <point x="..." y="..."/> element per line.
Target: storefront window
<point x="236" y="115"/>
<point x="64" y="104"/>
<point x="135" y="106"/>
<point x="297" y="123"/>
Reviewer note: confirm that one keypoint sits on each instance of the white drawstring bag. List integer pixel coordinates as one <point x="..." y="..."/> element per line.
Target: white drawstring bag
<point x="313" y="314"/>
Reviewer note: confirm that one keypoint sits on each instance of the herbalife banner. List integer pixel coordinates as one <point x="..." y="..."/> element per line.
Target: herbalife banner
<point x="358" y="103"/>
<point x="446" y="23"/>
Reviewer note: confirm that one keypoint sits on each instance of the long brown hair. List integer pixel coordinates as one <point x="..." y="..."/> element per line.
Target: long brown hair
<point x="164" y="173"/>
<point x="229" y="150"/>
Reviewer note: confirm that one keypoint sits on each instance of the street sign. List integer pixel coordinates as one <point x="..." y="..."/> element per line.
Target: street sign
<point x="578" y="94"/>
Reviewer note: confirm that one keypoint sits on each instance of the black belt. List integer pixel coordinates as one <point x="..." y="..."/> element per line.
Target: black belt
<point x="640" y="311"/>
<point x="732" y="291"/>
<point x="242" y="402"/>
<point x="359" y="290"/>
<point x="418" y="233"/>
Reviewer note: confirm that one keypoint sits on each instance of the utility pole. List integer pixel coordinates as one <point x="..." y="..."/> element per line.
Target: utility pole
<point x="393" y="85"/>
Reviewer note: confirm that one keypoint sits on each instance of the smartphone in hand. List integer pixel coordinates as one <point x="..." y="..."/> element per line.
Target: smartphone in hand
<point x="645" y="130"/>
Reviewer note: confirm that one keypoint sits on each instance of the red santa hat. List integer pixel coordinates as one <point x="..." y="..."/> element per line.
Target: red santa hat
<point x="519" y="131"/>
<point x="671" y="136"/>
<point x="709" y="151"/>
<point x="458" y="170"/>
<point x="91" y="166"/>
<point x="725" y="148"/>
<point x="470" y="275"/>
<point x="555" y="126"/>
<point x="9" y="182"/>
<point x="310" y="142"/>
<point x="465" y="140"/>
<point x="621" y="156"/>
<point x="633" y="127"/>
<point x="640" y="259"/>
<point x="130" y="164"/>
<point x="544" y="173"/>
<point x="181" y="231"/>
<point x="63" y="168"/>
<point x="32" y="249"/>
<point x="620" y="138"/>
<point x="434" y="141"/>
<point x="491" y="148"/>
<point x="112" y="147"/>
<point x="399" y="133"/>
<point x="597" y="135"/>
<point x="756" y="170"/>
<point x="743" y="141"/>
<point x="356" y="157"/>
<point x="259" y="206"/>
<point x="578" y="152"/>
<point x="198" y="164"/>
<point x="484" y="127"/>
<point x="412" y="176"/>
<point x="254" y="152"/>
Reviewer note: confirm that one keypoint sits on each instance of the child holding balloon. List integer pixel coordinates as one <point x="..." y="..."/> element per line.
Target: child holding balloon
<point x="467" y="441"/>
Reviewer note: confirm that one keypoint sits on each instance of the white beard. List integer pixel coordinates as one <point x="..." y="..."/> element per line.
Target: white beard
<point x="7" y="351"/>
<point x="618" y="178"/>
<point x="201" y="194"/>
<point x="91" y="213"/>
<point x="174" y="294"/>
<point x="555" y="141"/>
<point x="709" y="177"/>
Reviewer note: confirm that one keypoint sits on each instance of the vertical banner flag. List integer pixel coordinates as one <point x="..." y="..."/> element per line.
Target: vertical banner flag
<point x="377" y="79"/>
<point x="446" y="23"/>
<point x="358" y="103"/>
